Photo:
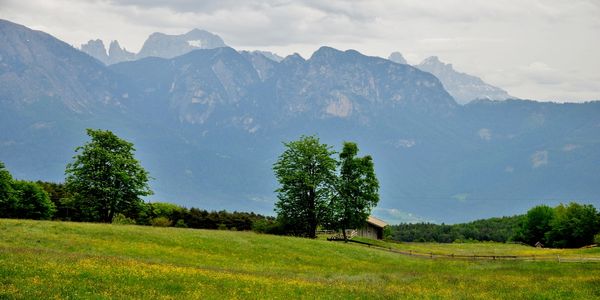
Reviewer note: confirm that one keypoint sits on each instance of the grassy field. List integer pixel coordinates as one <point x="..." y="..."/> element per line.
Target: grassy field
<point x="77" y="260"/>
<point x="489" y="248"/>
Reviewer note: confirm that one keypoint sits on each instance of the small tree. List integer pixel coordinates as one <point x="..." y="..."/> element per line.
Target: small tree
<point x="305" y="171"/>
<point x="357" y="190"/>
<point x="33" y="202"/>
<point x="537" y="223"/>
<point x="105" y="178"/>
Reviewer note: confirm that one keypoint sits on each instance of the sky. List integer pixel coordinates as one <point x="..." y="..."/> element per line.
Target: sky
<point x="545" y="50"/>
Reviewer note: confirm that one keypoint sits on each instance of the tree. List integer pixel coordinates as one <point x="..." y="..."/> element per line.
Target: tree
<point x="356" y="190"/>
<point x="574" y="226"/>
<point x="33" y="202"/>
<point x="306" y="173"/>
<point x="105" y="178"/>
<point x="537" y="223"/>
<point x="8" y="200"/>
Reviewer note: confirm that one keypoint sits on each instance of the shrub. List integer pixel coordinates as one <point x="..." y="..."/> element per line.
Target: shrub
<point x="121" y="219"/>
<point x="161" y="222"/>
<point x="267" y="226"/>
<point x="222" y="227"/>
<point x="181" y="224"/>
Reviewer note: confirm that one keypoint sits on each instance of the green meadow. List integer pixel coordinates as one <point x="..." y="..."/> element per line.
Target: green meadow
<point x="60" y="260"/>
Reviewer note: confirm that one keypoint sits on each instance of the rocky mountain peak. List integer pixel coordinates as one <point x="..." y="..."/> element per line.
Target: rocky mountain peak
<point x="397" y="58"/>
<point x="463" y="87"/>
<point x="96" y="49"/>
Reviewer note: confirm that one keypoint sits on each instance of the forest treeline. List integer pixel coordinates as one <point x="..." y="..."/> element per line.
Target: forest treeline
<point x="564" y="226"/>
<point x="492" y="229"/>
<point x="42" y="200"/>
<point x="162" y="214"/>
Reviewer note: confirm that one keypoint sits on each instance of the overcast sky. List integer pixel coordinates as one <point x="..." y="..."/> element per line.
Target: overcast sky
<point x="535" y="49"/>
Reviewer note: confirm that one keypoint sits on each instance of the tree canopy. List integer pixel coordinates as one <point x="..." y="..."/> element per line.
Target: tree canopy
<point x="356" y="190"/>
<point x="105" y="178"/>
<point x="313" y="193"/>
<point x="306" y="173"/>
<point x="7" y="197"/>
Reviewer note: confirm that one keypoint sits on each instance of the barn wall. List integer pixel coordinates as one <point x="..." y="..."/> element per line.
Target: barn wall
<point x="369" y="231"/>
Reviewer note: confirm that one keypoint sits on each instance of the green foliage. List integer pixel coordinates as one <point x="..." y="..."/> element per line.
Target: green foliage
<point x="493" y="229"/>
<point x="269" y="226"/>
<point x="597" y="238"/>
<point x="8" y="200"/>
<point x="66" y="209"/>
<point x="105" y="178"/>
<point x="306" y="173"/>
<point x="574" y="226"/>
<point x="537" y="222"/>
<point x="161" y="222"/>
<point x="222" y="227"/>
<point x="181" y="224"/>
<point x="357" y="190"/>
<point x="121" y="219"/>
<point x="23" y="199"/>
<point x="32" y="201"/>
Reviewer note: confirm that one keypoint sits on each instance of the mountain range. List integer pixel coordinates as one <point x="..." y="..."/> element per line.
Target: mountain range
<point x="209" y="124"/>
<point x="463" y="87"/>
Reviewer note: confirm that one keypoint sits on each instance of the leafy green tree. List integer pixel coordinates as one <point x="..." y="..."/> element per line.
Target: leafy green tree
<point x="356" y="190"/>
<point x="105" y="178"/>
<point x="574" y="226"/>
<point x="306" y="173"/>
<point x="7" y="196"/>
<point x="33" y="202"/>
<point x="537" y="222"/>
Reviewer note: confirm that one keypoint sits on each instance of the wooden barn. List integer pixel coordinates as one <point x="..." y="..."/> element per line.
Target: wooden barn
<point x="373" y="229"/>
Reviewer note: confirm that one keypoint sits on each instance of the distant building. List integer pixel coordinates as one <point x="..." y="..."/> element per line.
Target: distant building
<point x="373" y="229"/>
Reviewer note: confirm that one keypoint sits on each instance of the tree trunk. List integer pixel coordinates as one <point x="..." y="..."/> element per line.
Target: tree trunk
<point x="312" y="214"/>
<point x="345" y="237"/>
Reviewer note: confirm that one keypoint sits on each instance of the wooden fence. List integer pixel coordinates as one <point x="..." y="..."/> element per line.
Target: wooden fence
<point x="431" y="255"/>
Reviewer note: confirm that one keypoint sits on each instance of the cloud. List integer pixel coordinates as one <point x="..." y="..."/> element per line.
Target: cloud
<point x="397" y="216"/>
<point x="462" y="198"/>
<point x="485" y="134"/>
<point x="405" y="143"/>
<point x="570" y="147"/>
<point x="539" y="158"/>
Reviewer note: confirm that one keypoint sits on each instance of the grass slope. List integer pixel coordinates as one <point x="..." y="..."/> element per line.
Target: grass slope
<point x="78" y="260"/>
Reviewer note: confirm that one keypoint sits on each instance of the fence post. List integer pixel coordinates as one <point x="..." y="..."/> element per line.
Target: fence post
<point x="430" y="254"/>
<point x="558" y="258"/>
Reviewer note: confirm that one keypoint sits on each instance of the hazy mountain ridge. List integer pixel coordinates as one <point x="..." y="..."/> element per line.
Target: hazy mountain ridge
<point x="463" y="87"/>
<point x="209" y="124"/>
<point x="157" y="45"/>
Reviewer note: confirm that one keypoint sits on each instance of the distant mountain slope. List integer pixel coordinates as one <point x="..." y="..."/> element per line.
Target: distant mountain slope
<point x="463" y="87"/>
<point x="36" y="68"/>
<point x="208" y="125"/>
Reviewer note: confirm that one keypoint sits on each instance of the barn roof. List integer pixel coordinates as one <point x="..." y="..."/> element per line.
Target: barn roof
<point x="374" y="221"/>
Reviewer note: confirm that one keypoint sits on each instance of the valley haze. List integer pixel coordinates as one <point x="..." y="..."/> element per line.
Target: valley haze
<point x="208" y="122"/>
